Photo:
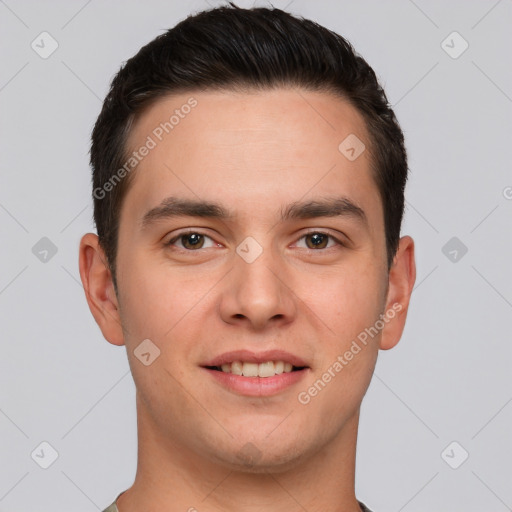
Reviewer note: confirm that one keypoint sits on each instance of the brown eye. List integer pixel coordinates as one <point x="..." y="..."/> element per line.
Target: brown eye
<point x="317" y="240"/>
<point x="191" y="241"/>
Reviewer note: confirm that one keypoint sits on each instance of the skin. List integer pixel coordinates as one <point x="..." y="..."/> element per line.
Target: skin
<point x="254" y="153"/>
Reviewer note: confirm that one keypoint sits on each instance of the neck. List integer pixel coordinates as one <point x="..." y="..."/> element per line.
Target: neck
<point x="173" y="478"/>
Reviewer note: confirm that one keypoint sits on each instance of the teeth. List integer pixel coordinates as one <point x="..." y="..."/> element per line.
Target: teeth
<point x="250" y="370"/>
<point x="236" y="367"/>
<point x="267" y="369"/>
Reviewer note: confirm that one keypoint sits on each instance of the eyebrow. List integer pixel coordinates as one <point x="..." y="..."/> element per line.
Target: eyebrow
<point x="329" y="207"/>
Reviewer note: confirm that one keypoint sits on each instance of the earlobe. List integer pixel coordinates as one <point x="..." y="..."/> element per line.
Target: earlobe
<point x="402" y="276"/>
<point x="99" y="289"/>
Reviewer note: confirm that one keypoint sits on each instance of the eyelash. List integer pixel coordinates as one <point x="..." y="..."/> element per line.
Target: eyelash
<point x="196" y="232"/>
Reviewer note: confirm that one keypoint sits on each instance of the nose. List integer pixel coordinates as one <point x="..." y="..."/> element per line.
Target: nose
<point x="257" y="293"/>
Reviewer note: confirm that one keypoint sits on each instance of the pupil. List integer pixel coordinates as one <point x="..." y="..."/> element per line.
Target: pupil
<point x="317" y="239"/>
<point x="193" y="239"/>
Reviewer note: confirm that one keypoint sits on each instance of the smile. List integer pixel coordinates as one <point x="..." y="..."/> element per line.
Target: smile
<point x="264" y="370"/>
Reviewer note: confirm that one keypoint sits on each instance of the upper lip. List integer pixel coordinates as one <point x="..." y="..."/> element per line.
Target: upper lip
<point x="246" y="356"/>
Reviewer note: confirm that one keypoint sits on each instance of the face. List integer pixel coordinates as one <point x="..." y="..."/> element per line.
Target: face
<point x="247" y="240"/>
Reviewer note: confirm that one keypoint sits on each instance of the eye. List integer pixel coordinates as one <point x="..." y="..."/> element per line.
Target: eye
<point x="319" y="240"/>
<point x="192" y="240"/>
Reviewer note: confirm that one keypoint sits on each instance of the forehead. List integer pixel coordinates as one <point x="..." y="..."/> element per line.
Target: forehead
<point x="249" y="150"/>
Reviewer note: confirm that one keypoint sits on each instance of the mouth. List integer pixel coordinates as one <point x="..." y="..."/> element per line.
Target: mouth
<point x="257" y="374"/>
<point x="264" y="370"/>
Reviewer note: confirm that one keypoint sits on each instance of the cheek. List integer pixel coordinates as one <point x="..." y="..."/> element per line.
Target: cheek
<point x="166" y="305"/>
<point x="163" y="308"/>
<point x="349" y="351"/>
<point x="355" y="302"/>
<point x="151" y="303"/>
<point x="347" y="301"/>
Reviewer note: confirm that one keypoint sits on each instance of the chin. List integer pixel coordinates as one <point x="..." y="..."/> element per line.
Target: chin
<point x="263" y="456"/>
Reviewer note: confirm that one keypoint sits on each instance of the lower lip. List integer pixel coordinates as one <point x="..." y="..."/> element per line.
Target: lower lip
<point x="257" y="386"/>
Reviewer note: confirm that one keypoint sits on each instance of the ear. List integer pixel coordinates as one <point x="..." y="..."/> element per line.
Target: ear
<point x="99" y="288"/>
<point x="402" y="276"/>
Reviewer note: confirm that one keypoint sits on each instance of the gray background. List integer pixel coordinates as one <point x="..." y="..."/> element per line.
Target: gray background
<point x="449" y="377"/>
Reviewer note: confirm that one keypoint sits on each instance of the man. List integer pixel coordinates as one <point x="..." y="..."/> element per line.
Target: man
<point x="248" y="181"/>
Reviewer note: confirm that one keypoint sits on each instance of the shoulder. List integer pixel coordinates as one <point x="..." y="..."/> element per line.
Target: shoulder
<point x="112" y="508"/>
<point x="364" y="508"/>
